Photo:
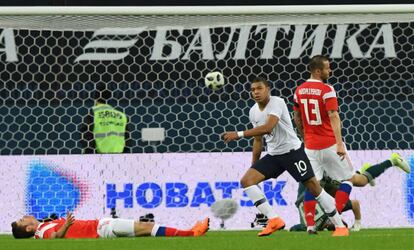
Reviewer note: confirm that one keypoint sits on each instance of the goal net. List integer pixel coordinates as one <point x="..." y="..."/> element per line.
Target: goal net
<point x="153" y="60"/>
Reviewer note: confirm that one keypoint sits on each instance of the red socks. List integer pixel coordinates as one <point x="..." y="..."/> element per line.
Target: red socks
<point x="342" y="195"/>
<point x="173" y="232"/>
<point x="309" y="208"/>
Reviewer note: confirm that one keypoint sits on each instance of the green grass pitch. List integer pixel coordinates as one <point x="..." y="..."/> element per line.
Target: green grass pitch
<point x="372" y="239"/>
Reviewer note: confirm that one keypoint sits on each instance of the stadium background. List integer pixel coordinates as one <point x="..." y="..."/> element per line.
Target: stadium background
<point x="46" y="91"/>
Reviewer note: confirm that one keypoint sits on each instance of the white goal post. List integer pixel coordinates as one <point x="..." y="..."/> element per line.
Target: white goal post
<point x="86" y="18"/>
<point x="212" y="10"/>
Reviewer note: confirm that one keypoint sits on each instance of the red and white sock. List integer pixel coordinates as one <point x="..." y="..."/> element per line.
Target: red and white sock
<point x="342" y="195"/>
<point x="161" y="231"/>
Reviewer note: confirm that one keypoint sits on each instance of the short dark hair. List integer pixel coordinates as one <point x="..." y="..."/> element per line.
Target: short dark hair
<point x="261" y="79"/>
<point x="19" y="232"/>
<point x="102" y="94"/>
<point x="316" y="62"/>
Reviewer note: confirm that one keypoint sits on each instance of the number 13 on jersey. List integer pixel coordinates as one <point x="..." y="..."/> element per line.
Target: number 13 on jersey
<point x="311" y="108"/>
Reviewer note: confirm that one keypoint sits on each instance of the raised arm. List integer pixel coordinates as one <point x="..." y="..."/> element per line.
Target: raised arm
<point x="266" y="128"/>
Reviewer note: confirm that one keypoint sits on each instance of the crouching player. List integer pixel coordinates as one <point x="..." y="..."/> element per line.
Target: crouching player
<point x="28" y="227"/>
<point x="320" y="219"/>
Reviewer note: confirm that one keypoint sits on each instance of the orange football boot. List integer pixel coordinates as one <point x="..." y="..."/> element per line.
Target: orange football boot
<point x="272" y="226"/>
<point x="340" y="231"/>
<point x="201" y="227"/>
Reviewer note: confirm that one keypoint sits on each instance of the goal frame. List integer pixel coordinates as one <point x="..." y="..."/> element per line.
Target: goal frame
<point x="211" y="10"/>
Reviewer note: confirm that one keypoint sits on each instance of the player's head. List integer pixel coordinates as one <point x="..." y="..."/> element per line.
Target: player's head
<point x="260" y="89"/>
<point x="319" y="67"/>
<point x="25" y="227"/>
<point x="102" y="94"/>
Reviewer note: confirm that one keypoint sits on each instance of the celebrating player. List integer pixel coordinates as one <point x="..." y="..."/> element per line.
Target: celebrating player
<point x="317" y="119"/>
<point x="28" y="227"/>
<point x="271" y="120"/>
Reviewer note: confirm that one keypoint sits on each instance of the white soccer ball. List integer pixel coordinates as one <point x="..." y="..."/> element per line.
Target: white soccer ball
<point x="224" y="209"/>
<point x="214" y="80"/>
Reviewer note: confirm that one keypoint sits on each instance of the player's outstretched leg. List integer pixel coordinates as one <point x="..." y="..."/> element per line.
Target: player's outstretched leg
<point x="372" y="172"/>
<point x="149" y="228"/>
<point x="363" y="169"/>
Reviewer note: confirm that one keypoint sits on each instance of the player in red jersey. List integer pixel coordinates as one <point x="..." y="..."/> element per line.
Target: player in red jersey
<point x="28" y="227"/>
<point x="317" y="119"/>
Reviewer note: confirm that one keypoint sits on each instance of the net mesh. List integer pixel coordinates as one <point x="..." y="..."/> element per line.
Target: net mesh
<point x="49" y="72"/>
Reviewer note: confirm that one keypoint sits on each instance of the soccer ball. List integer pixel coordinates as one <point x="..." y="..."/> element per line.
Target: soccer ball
<point x="214" y="80"/>
<point x="224" y="209"/>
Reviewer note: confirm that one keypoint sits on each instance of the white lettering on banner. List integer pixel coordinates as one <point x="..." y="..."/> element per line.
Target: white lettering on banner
<point x="270" y="39"/>
<point x="223" y="53"/>
<point x="242" y="42"/>
<point x="201" y="42"/>
<point x="161" y="41"/>
<point x="203" y="36"/>
<point x="388" y="45"/>
<point x="316" y="38"/>
<point x="339" y="40"/>
<point x="105" y="44"/>
<point x="353" y="45"/>
<point x="9" y="45"/>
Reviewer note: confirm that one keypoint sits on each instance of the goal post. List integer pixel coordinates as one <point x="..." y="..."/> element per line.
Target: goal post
<point x="195" y="16"/>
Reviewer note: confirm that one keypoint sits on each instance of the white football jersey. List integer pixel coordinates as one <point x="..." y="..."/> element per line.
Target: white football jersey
<point x="283" y="137"/>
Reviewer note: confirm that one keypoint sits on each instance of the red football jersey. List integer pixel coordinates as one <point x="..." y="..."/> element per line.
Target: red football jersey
<point x="314" y="99"/>
<point x="79" y="229"/>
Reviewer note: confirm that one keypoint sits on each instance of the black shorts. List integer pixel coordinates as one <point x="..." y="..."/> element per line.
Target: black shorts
<point x="296" y="162"/>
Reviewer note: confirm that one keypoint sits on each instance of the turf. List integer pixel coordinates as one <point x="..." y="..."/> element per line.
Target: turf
<point x="373" y="239"/>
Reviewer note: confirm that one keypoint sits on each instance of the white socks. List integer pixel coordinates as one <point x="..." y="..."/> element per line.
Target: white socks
<point x="257" y="196"/>
<point x="327" y="202"/>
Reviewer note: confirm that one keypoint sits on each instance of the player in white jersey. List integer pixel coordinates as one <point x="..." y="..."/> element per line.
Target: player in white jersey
<point x="271" y="120"/>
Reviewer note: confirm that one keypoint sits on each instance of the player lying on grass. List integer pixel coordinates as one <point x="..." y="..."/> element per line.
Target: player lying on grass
<point x="28" y="227"/>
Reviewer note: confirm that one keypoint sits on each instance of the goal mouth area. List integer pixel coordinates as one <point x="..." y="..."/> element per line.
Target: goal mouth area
<point x="155" y="60"/>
